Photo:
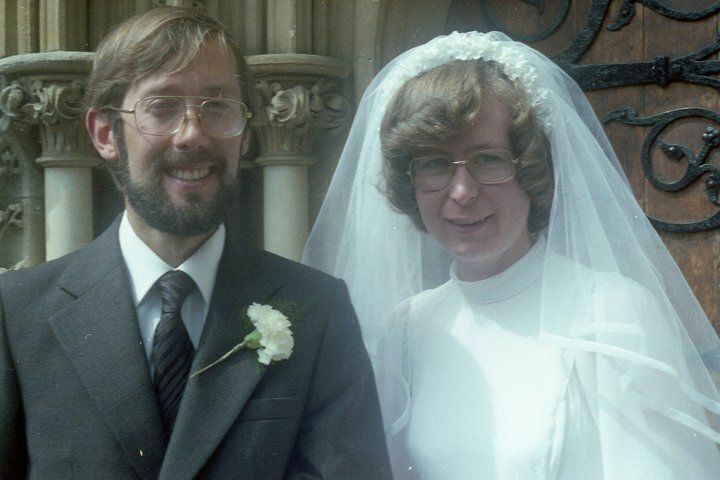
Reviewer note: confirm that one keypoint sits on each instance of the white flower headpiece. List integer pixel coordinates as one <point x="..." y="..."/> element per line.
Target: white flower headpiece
<point x="471" y="46"/>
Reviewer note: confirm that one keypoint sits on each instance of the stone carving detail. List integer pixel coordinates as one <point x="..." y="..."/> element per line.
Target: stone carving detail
<point x="289" y="116"/>
<point x="56" y="105"/>
<point x="10" y="217"/>
<point x="15" y="106"/>
<point x="293" y="106"/>
<point x="9" y="164"/>
<point x="335" y="113"/>
<point x="31" y="102"/>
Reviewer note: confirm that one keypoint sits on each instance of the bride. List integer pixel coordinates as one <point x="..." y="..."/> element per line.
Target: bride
<point x="524" y="319"/>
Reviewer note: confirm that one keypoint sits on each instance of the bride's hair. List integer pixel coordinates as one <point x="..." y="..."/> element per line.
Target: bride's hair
<point x="436" y="106"/>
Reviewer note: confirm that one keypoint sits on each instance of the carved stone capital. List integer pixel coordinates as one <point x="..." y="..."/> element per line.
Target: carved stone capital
<point x="299" y="98"/>
<point x="47" y="90"/>
<point x="32" y="100"/>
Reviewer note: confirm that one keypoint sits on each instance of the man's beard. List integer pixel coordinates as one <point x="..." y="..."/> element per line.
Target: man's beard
<point x="153" y="204"/>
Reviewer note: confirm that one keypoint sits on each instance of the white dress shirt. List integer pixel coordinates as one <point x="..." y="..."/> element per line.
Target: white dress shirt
<point x="145" y="268"/>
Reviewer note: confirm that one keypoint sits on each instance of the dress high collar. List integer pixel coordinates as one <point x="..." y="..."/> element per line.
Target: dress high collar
<point x="508" y="283"/>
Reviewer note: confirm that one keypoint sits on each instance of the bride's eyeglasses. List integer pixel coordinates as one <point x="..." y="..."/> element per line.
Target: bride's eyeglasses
<point x="434" y="172"/>
<point x="166" y="115"/>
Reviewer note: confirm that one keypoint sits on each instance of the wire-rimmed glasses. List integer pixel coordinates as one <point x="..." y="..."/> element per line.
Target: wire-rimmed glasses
<point x="431" y="173"/>
<point x="166" y="115"/>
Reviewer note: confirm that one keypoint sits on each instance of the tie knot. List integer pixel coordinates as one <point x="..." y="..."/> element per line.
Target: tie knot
<point x="174" y="286"/>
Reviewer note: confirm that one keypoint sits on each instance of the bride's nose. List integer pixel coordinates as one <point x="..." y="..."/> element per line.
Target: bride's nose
<point x="463" y="188"/>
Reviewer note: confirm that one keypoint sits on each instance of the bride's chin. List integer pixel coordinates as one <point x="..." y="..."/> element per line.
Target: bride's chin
<point x="477" y="269"/>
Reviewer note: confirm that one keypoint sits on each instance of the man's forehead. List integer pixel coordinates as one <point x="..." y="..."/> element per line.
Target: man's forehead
<point x="211" y="72"/>
<point x="163" y="85"/>
<point x="203" y="84"/>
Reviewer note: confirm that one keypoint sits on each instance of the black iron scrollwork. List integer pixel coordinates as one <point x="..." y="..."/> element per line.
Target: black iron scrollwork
<point x="627" y="12"/>
<point x="697" y="165"/>
<point x="692" y="68"/>
<point x="596" y="15"/>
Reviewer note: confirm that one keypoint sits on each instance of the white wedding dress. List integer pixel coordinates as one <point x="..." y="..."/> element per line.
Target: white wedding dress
<point x="589" y="358"/>
<point x="489" y="400"/>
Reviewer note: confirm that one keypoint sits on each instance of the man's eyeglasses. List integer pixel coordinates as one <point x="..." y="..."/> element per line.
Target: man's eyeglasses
<point x="434" y="172"/>
<point x="166" y="115"/>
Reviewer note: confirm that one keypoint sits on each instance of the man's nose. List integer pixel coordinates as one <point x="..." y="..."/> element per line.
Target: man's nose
<point x="191" y="134"/>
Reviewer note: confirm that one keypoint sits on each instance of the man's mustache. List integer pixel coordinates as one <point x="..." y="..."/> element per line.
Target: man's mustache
<point x="175" y="159"/>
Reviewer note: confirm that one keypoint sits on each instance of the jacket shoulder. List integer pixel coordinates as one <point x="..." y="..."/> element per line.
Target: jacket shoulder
<point x="81" y="267"/>
<point x="296" y="272"/>
<point x="36" y="276"/>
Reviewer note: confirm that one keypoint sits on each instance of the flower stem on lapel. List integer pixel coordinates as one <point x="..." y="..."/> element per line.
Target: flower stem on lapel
<point x="233" y="351"/>
<point x="271" y="338"/>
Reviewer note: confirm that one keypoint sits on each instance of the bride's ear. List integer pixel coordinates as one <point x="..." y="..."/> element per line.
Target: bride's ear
<point x="99" y="127"/>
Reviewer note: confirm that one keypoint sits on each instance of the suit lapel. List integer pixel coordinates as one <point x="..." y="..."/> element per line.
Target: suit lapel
<point x="213" y="400"/>
<point x="100" y="335"/>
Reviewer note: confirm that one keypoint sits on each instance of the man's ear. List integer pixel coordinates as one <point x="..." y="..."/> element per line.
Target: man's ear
<point x="245" y="145"/>
<point x="99" y="127"/>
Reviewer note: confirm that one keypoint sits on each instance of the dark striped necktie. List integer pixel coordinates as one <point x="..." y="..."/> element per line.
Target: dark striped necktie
<point x="172" y="348"/>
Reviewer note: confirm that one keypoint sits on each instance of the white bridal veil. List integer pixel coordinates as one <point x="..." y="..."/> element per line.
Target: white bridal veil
<point x="653" y="342"/>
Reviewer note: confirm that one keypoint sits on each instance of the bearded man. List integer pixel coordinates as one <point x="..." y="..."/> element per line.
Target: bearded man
<point x="169" y="347"/>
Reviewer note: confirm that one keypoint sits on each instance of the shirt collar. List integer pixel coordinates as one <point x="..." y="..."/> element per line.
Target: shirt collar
<point x="145" y="267"/>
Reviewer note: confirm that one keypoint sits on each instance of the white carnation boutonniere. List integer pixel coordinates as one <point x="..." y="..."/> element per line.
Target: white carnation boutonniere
<point x="272" y="338"/>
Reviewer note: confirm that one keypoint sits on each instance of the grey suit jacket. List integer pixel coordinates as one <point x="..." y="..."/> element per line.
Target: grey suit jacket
<point x="76" y="399"/>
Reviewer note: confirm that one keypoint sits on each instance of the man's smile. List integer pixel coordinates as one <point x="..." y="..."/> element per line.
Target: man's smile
<point x="189" y="173"/>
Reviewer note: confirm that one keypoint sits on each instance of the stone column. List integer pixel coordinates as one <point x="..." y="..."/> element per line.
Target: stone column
<point x="299" y="98"/>
<point x="46" y="90"/>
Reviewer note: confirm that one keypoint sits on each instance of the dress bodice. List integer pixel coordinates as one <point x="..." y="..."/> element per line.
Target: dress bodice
<point x="487" y="398"/>
<point x="489" y="395"/>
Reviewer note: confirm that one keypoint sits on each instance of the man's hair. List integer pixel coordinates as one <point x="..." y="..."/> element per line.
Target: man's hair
<point x="161" y="41"/>
<point x="436" y="106"/>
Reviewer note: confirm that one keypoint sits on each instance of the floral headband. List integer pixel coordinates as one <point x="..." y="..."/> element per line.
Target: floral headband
<point x="472" y="46"/>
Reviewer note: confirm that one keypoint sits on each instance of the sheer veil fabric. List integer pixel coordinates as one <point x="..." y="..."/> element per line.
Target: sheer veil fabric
<point x="650" y="342"/>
